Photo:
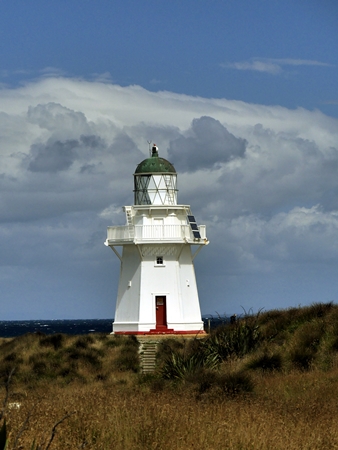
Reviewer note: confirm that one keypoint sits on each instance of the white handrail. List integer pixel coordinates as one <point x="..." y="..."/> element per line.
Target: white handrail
<point x="150" y="232"/>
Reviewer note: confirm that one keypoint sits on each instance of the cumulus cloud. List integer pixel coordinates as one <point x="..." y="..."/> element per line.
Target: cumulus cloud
<point x="262" y="178"/>
<point x="206" y="145"/>
<point x="301" y="235"/>
<point x="58" y="119"/>
<point x="52" y="157"/>
<point x="55" y="156"/>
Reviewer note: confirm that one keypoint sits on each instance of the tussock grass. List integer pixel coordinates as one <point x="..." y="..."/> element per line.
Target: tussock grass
<point x="65" y="358"/>
<point x="266" y="360"/>
<point x="268" y="381"/>
<point x="297" y="411"/>
<point x="54" y="340"/>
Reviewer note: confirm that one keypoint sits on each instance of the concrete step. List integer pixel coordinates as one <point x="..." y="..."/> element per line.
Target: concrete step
<point x="147" y="353"/>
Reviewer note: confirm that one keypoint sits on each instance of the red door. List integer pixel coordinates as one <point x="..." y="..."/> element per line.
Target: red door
<point x="161" y="312"/>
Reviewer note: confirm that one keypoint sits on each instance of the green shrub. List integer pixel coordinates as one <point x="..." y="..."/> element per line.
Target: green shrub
<point x="302" y="358"/>
<point x="273" y="325"/>
<point x="205" y="380"/>
<point x="167" y="346"/>
<point x="101" y="336"/>
<point x="93" y="357"/>
<point x="5" y="369"/>
<point x="128" y="358"/>
<point x="334" y="343"/>
<point x="315" y="311"/>
<point x="235" y="383"/>
<point x="131" y="341"/>
<point x="11" y="357"/>
<point x="84" y="341"/>
<point x="237" y="339"/>
<point x="54" y="340"/>
<point x="230" y="384"/>
<point x="153" y="380"/>
<point x="178" y="366"/>
<point x="86" y="355"/>
<point x="41" y="365"/>
<point x="266" y="361"/>
<point x="67" y="371"/>
<point x="39" y="368"/>
<point x="114" y="341"/>
<point x="305" y="342"/>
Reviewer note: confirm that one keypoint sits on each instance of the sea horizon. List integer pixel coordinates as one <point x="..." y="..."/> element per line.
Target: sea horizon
<point x="14" y="328"/>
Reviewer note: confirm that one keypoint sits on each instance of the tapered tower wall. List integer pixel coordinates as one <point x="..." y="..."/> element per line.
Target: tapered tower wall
<point x="142" y="280"/>
<point x="127" y="304"/>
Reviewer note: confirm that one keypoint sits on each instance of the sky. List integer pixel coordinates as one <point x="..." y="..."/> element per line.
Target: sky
<point x="241" y="97"/>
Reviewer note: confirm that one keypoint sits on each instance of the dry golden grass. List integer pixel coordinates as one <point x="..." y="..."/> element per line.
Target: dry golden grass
<point x="295" y="411"/>
<point x="64" y="359"/>
<point x="92" y="380"/>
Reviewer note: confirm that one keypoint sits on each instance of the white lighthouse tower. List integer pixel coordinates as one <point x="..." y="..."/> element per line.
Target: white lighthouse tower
<point x="157" y="292"/>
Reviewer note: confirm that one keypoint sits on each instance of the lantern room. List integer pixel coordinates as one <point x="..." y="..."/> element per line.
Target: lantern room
<point x="155" y="181"/>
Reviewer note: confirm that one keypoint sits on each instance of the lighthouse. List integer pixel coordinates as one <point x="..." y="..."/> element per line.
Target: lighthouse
<point x="157" y="290"/>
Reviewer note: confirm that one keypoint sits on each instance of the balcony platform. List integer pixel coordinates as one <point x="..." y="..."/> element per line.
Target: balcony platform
<point x="145" y="234"/>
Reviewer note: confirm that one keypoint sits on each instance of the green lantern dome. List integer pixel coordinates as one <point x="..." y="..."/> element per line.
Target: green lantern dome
<point x="155" y="181"/>
<point x="155" y="164"/>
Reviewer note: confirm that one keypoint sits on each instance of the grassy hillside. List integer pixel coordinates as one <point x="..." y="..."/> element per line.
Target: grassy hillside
<point x="268" y="381"/>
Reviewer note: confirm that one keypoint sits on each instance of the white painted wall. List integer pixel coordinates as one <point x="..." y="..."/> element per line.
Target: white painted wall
<point x="175" y="279"/>
<point x="127" y="305"/>
<point x="141" y="279"/>
<point x="187" y="279"/>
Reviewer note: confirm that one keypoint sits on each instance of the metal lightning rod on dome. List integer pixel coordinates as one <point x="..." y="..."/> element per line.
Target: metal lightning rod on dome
<point x="149" y="143"/>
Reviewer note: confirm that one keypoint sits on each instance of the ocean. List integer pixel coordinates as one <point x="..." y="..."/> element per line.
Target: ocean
<point x="13" y="328"/>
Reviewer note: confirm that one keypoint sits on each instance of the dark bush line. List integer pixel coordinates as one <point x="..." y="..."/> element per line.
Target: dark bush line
<point x="298" y="338"/>
<point x="65" y="356"/>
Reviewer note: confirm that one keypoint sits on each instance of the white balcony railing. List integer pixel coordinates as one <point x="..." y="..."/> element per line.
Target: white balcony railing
<point x="153" y="232"/>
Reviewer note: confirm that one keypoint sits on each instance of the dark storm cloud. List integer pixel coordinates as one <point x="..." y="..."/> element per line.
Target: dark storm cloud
<point x="124" y="145"/>
<point x="88" y="168"/>
<point x="207" y="145"/>
<point x="92" y="141"/>
<point x="53" y="157"/>
<point x="125" y="151"/>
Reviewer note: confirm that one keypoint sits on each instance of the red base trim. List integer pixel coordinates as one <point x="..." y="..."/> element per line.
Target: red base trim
<point x="161" y="330"/>
<point x="154" y="332"/>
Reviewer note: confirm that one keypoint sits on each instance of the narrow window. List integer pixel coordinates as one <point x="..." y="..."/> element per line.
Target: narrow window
<point x="159" y="260"/>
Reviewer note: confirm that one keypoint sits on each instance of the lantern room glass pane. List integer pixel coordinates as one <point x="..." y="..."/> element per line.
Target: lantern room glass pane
<point x="155" y="189"/>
